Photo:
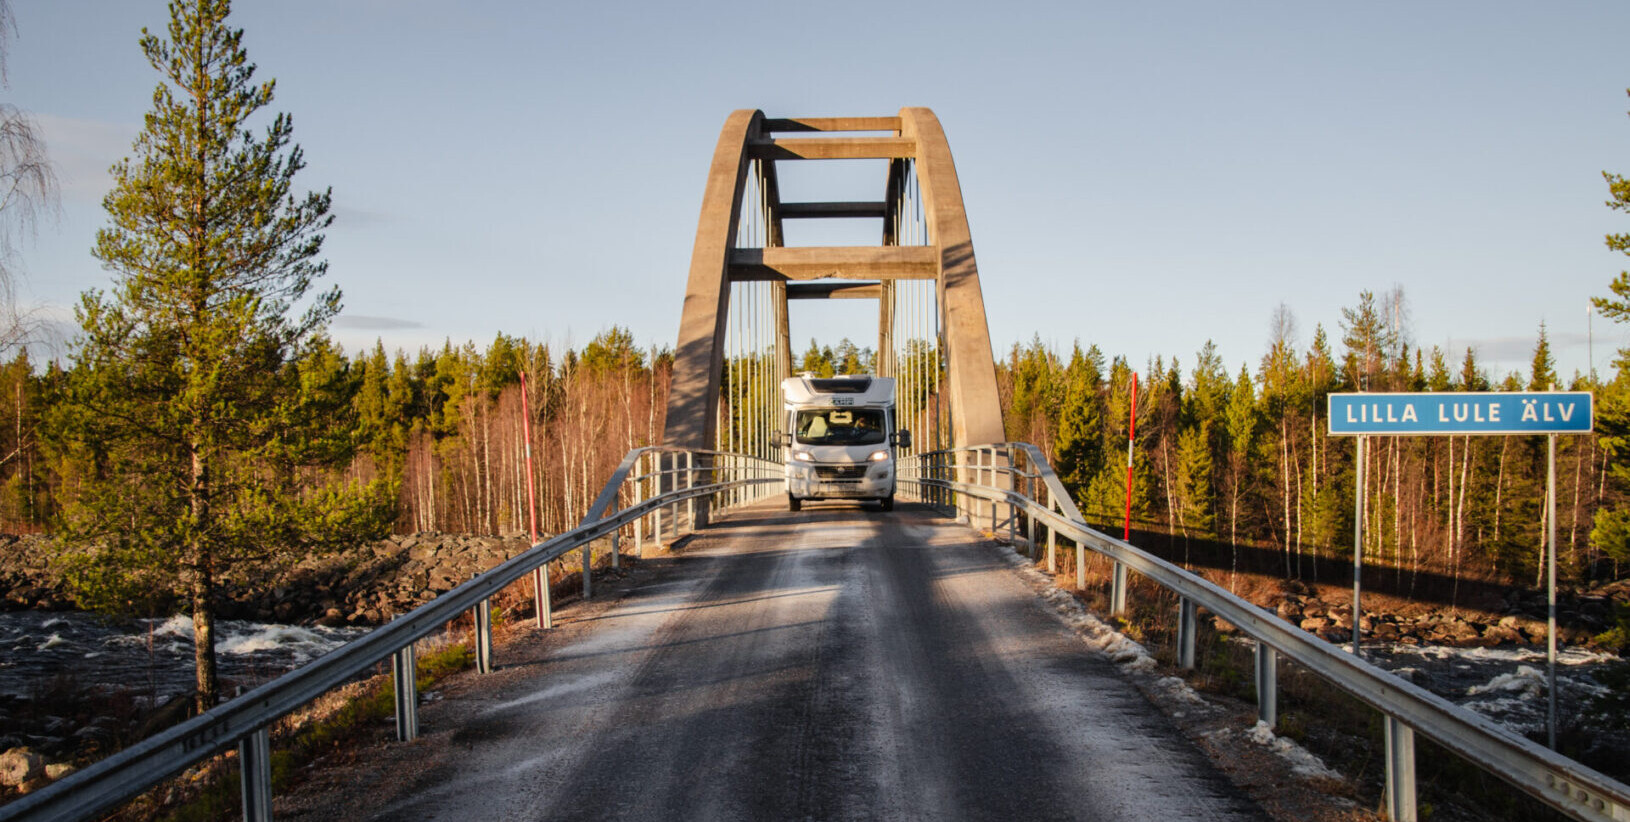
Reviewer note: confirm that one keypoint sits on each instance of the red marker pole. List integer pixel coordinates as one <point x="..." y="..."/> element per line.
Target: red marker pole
<point x="1131" y="435"/>
<point x="540" y="575"/>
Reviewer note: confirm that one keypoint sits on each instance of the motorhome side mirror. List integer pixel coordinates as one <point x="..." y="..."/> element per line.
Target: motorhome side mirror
<point x="903" y="439"/>
<point x="779" y="440"/>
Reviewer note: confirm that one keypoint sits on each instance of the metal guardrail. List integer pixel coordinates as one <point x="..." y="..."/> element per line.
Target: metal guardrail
<point x="687" y="477"/>
<point x="1014" y="474"/>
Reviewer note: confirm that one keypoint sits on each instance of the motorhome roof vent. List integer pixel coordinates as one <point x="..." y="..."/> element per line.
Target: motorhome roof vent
<point x="841" y="385"/>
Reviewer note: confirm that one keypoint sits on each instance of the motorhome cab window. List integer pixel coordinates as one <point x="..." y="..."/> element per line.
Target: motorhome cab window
<point x="840" y="426"/>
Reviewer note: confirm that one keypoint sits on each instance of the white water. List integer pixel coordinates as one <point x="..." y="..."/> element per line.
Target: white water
<point x="1505" y="684"/>
<point x="151" y="656"/>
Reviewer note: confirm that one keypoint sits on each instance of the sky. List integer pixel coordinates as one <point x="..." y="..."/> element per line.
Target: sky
<point x="1140" y="176"/>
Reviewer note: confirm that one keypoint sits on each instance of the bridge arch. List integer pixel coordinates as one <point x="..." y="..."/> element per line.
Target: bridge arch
<point x="924" y="239"/>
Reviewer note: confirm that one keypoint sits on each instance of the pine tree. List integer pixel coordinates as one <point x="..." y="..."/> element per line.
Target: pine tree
<point x="1618" y="190"/>
<point x="1437" y="375"/>
<point x="1079" y="452"/>
<point x="1242" y="419"/>
<point x="1471" y="376"/>
<point x="1611" y="531"/>
<point x="1196" y="495"/>
<point x="1367" y="338"/>
<point x="196" y="397"/>
<point x="817" y="361"/>
<point x="1542" y="374"/>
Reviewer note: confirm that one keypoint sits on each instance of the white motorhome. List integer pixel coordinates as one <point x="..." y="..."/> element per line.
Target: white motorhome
<point x="840" y="439"/>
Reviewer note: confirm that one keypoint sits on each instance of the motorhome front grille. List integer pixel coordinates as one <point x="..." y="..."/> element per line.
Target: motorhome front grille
<point x="840" y="472"/>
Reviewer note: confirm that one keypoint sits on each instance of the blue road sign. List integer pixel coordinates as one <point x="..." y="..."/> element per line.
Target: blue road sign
<point x="1570" y="412"/>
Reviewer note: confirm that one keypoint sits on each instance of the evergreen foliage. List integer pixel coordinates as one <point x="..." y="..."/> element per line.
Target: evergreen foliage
<point x="199" y="407"/>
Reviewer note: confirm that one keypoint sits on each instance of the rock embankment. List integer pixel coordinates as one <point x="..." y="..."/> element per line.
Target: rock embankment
<point x="370" y="584"/>
<point x="1521" y="619"/>
<point x="364" y="585"/>
<point x="27" y="580"/>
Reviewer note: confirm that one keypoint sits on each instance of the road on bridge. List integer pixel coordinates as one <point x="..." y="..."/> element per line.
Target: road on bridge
<point x="838" y="663"/>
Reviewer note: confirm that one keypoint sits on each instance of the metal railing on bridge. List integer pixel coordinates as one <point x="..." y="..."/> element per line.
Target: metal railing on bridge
<point x="979" y="482"/>
<point x="658" y="486"/>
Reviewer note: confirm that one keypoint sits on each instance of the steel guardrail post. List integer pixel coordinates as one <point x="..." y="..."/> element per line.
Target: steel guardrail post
<point x="690" y="482"/>
<point x="588" y="570"/>
<point x="403" y="672"/>
<point x="483" y="637"/>
<point x="1400" y="790"/>
<point x="656" y="513"/>
<point x="639" y="497"/>
<point x="546" y="598"/>
<point x="1030" y="536"/>
<point x="1267" y="684"/>
<point x="990" y="482"/>
<point x="1187" y="625"/>
<point x="1080" y="563"/>
<point x="255" y="775"/>
<point x="616" y="549"/>
<point x="1052" y="539"/>
<point x="1117" y="590"/>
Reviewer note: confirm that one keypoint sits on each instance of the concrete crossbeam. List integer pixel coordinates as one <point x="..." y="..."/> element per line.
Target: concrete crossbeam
<point x="833" y="124"/>
<point x="834" y="291"/>
<point x="807" y="211"/>
<point x="832" y="148"/>
<point x="917" y="262"/>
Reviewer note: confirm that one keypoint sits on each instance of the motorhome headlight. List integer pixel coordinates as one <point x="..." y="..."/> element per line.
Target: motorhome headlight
<point x="802" y="456"/>
<point x="878" y="455"/>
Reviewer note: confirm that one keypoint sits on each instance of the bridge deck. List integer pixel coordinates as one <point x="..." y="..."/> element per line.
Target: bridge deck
<point x="832" y="664"/>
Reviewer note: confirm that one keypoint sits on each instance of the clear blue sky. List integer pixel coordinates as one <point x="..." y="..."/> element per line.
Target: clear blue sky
<point x="1143" y="176"/>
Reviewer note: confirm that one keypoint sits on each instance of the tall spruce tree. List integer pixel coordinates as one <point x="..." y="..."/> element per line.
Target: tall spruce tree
<point x="1542" y="374"/>
<point x="197" y="396"/>
<point x="1611" y="529"/>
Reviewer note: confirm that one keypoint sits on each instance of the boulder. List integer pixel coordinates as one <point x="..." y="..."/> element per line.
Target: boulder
<point x="20" y="766"/>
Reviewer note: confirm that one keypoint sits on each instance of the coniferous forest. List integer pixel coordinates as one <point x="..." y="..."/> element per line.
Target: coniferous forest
<point x="1236" y="455"/>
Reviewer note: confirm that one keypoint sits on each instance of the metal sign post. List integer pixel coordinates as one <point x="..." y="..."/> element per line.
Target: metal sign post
<point x="1550" y="584"/>
<point x="1360" y="464"/>
<point x="1468" y="413"/>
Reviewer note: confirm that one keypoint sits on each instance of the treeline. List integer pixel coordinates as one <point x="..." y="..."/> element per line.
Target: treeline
<point x="445" y="427"/>
<point x="1242" y="457"/>
<point x="1232" y="455"/>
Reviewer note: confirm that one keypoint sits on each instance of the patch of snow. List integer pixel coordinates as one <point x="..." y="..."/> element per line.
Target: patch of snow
<point x="1178" y="689"/>
<point x="1301" y="760"/>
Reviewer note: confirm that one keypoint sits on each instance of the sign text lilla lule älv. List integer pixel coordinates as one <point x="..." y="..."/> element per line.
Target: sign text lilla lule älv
<point x="1541" y="412"/>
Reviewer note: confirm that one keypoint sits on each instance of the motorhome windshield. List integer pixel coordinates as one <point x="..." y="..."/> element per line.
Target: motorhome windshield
<point x="840" y="426"/>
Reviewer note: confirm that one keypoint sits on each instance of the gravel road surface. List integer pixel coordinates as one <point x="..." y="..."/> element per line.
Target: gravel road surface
<point x="837" y="663"/>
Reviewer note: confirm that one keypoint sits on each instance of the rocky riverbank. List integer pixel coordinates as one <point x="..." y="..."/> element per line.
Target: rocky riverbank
<point x="369" y="584"/>
<point x="364" y="585"/>
<point x="1518" y="619"/>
